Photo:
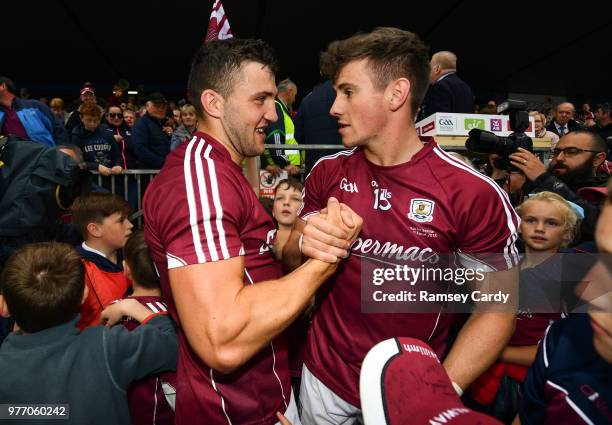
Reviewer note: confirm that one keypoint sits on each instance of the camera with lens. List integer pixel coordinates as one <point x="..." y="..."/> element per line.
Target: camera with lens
<point x="480" y="141"/>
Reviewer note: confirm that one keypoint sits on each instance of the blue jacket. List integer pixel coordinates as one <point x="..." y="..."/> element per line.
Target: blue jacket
<point x="99" y="147"/>
<point x="151" y="144"/>
<point x="126" y="147"/>
<point x="569" y="382"/>
<point x="38" y="121"/>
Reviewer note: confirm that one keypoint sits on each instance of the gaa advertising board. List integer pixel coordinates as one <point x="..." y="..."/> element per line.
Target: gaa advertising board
<point x="449" y="124"/>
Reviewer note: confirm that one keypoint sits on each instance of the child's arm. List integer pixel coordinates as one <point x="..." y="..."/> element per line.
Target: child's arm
<point x="126" y="307"/>
<point x="519" y="355"/>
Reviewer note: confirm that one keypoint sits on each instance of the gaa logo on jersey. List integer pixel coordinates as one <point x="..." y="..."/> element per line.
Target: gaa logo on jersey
<point x="421" y="210"/>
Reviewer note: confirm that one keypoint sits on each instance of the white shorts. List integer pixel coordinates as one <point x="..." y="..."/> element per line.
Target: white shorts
<point x="320" y="405"/>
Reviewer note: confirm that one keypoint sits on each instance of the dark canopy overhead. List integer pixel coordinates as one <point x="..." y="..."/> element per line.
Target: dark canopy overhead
<point x="54" y="46"/>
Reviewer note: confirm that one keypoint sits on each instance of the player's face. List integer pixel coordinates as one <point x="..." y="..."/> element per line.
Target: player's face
<point x="287" y="202"/>
<point x="115" y="230"/>
<point x="359" y="106"/>
<point x="249" y="109"/>
<point x="543" y="227"/>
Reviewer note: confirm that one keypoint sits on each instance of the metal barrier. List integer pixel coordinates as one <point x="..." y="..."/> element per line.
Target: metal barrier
<point x="541" y="147"/>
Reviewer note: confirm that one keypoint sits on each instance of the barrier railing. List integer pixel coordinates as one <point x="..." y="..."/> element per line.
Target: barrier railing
<point x="134" y="182"/>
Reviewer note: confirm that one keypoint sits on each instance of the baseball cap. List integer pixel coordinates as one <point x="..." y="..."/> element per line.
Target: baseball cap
<point x="403" y="382"/>
<point x="156" y="97"/>
<point x="87" y="88"/>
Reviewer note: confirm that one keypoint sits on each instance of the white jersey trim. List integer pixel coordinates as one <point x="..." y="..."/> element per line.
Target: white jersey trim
<point x="210" y="239"/>
<point x="510" y="248"/>
<point x="569" y="401"/>
<point x="214" y="184"/>
<point x="333" y="156"/>
<point x="214" y="384"/>
<point x="193" y="213"/>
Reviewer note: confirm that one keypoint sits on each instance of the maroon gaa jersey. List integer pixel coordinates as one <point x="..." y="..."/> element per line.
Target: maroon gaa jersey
<point x="430" y="205"/>
<point x="200" y="208"/>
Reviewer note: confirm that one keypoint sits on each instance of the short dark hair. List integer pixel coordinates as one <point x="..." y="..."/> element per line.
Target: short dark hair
<point x="43" y="285"/>
<point x="138" y="258"/>
<point x="391" y="53"/>
<point x="291" y="183"/>
<point x="597" y="142"/>
<point x="10" y="85"/>
<point x="606" y="108"/>
<point x="216" y="64"/>
<point x="95" y="207"/>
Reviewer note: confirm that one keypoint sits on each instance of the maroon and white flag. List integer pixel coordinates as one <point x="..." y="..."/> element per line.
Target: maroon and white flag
<point x="218" y="26"/>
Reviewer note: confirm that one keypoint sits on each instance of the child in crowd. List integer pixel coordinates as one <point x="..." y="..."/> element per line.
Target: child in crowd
<point x="48" y="360"/>
<point x="569" y="382"/>
<point x="102" y="219"/>
<point x="287" y="203"/>
<point x="548" y="223"/>
<point x="101" y="151"/>
<point x="151" y="400"/>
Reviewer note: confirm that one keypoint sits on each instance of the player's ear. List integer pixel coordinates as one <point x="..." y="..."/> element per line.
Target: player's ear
<point x="126" y="270"/>
<point x="212" y="103"/>
<point x="94" y="230"/>
<point x="85" y="294"/>
<point x="397" y="93"/>
<point x="4" y="310"/>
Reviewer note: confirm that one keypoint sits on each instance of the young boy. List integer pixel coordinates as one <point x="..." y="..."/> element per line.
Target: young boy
<point x="102" y="219"/>
<point x="101" y="151"/>
<point x="287" y="203"/>
<point x="48" y="361"/>
<point x="151" y="400"/>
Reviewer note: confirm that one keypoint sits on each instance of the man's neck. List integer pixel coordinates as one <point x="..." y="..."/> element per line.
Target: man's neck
<point x="394" y="145"/>
<point x="109" y="253"/>
<point x="219" y="135"/>
<point x="7" y="101"/>
<point x="143" y="292"/>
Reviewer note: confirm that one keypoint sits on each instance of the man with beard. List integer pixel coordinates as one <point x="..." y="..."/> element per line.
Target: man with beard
<point x="574" y="165"/>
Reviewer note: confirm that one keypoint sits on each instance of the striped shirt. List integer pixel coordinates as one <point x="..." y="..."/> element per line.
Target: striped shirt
<point x="199" y="209"/>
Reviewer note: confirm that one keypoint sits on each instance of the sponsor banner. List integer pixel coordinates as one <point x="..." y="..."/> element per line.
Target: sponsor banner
<point x="448" y="124"/>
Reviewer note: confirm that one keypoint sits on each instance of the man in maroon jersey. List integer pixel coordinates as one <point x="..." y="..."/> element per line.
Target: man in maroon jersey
<point x="416" y="202"/>
<point x="211" y="241"/>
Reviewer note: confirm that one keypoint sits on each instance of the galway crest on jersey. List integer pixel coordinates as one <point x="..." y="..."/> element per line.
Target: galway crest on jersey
<point x="421" y="210"/>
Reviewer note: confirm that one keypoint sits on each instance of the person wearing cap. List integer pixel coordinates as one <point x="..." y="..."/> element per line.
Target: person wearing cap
<point x="87" y="96"/>
<point x="28" y="119"/>
<point x="392" y="374"/>
<point x="151" y="134"/>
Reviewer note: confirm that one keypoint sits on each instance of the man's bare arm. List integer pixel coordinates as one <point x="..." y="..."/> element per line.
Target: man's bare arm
<point x="227" y="322"/>
<point x="485" y="334"/>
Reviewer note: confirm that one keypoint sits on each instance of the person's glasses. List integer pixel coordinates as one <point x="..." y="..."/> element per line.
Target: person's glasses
<point x="571" y="151"/>
<point x="115" y="115"/>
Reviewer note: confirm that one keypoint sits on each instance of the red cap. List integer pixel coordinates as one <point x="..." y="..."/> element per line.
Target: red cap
<point x="403" y="382"/>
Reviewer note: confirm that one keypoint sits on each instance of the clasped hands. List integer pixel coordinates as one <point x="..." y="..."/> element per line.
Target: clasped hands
<point x="328" y="235"/>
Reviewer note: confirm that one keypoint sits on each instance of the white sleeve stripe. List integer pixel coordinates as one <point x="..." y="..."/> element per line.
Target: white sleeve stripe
<point x="511" y="216"/>
<point x="214" y="186"/>
<point x="210" y="238"/>
<point x="152" y="308"/>
<point x="332" y="156"/>
<point x="191" y="203"/>
<point x="161" y="306"/>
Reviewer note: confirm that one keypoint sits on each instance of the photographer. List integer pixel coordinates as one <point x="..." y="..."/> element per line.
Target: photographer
<point x="574" y="165"/>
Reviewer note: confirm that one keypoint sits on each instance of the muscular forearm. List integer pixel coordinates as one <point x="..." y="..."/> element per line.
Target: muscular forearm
<point x="478" y="345"/>
<point x="250" y="318"/>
